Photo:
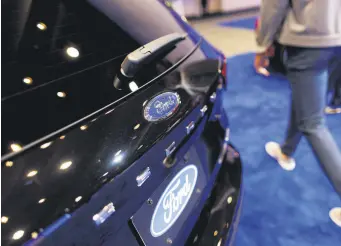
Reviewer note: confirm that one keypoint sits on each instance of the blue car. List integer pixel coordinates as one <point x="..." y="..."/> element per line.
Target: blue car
<point x="113" y="131"/>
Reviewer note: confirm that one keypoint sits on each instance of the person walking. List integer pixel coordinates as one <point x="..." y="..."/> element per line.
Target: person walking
<point x="310" y="31"/>
<point x="204" y="6"/>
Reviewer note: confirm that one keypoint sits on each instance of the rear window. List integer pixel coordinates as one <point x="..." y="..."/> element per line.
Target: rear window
<point x="60" y="59"/>
<point x="56" y="40"/>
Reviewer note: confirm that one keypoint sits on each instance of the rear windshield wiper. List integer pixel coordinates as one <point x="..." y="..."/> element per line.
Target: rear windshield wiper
<point x="147" y="53"/>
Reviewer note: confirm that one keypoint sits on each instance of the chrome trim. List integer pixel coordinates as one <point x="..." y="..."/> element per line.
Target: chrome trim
<point x="227" y="135"/>
<point x="203" y="110"/>
<point x="141" y="178"/>
<point x="190" y="127"/>
<point x="213" y="97"/>
<point x="104" y="214"/>
<point x="170" y="149"/>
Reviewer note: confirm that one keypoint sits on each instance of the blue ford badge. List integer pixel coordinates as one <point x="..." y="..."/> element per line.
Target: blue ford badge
<point x="173" y="200"/>
<point x="162" y="106"/>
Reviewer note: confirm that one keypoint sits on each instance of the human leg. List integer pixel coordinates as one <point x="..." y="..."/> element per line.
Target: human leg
<point x="293" y="135"/>
<point x="336" y="101"/>
<point x="334" y="86"/>
<point x="283" y="153"/>
<point x="308" y="75"/>
<point x="204" y="4"/>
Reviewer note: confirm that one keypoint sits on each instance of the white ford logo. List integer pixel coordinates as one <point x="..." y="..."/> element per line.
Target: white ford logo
<point x="173" y="200"/>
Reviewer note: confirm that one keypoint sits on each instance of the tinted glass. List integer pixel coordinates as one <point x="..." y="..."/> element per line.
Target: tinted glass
<point x="60" y="59"/>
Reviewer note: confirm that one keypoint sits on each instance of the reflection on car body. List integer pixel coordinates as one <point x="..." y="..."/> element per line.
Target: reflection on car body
<point x="81" y="164"/>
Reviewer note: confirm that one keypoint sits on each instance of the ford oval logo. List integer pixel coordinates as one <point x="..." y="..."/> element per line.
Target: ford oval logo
<point x="162" y="106"/>
<point x="173" y="200"/>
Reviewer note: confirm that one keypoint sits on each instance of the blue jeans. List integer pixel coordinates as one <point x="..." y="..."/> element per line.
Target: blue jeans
<point x="307" y="71"/>
<point x="335" y="81"/>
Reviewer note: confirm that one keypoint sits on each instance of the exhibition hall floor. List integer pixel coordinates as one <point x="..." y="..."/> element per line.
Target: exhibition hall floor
<point x="226" y="34"/>
<point x="279" y="207"/>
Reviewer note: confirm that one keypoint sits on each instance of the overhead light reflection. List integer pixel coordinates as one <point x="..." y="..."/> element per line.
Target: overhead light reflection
<point x="118" y="152"/>
<point x="72" y="52"/>
<point x="133" y="86"/>
<point x="41" y="26"/>
<point x="15" y="147"/>
<point x="109" y="111"/>
<point x="45" y="145"/>
<point x="184" y="18"/>
<point x="78" y="199"/>
<point x="61" y="94"/>
<point x="18" y="234"/>
<point x="9" y="163"/>
<point x="118" y="157"/>
<point x="4" y="219"/>
<point x="65" y="165"/>
<point x="84" y="127"/>
<point x="41" y="200"/>
<point x="27" y="80"/>
<point x="34" y="235"/>
<point x="61" y="137"/>
<point x="219" y="243"/>
<point x="137" y="126"/>
<point x="32" y="173"/>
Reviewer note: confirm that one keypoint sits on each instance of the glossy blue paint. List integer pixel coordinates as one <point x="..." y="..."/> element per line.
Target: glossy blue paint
<point x="107" y="141"/>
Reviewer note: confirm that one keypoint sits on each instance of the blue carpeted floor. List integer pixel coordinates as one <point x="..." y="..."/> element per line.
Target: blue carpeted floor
<point x="279" y="208"/>
<point x="247" y="23"/>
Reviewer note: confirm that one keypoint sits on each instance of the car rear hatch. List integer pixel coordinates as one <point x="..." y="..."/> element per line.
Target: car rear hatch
<point x="82" y="163"/>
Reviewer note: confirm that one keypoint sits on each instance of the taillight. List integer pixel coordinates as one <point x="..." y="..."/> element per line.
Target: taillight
<point x="224" y="70"/>
<point x="257" y="24"/>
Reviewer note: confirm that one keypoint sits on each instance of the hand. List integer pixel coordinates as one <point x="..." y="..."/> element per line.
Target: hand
<point x="261" y="61"/>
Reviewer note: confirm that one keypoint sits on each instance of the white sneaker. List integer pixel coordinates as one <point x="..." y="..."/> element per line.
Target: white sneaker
<point x="330" y="110"/>
<point x="274" y="150"/>
<point x="335" y="215"/>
